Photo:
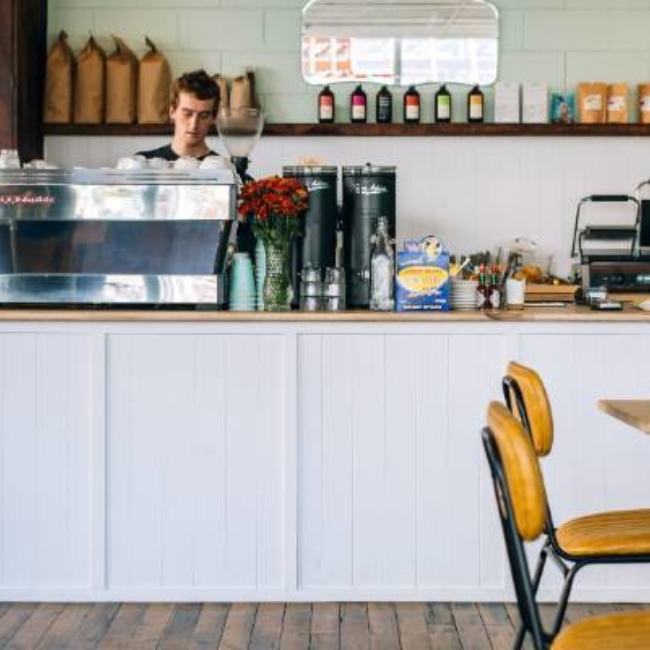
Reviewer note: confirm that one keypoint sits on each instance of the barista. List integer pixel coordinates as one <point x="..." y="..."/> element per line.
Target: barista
<point x="194" y="103"/>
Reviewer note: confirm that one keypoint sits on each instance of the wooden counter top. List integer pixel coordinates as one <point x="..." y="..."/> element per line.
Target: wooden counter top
<point x="530" y="314"/>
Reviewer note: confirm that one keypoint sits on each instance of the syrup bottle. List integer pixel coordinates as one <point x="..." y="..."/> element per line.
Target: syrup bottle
<point x="326" y="106"/>
<point x="384" y="106"/>
<point x="411" y="106"/>
<point x="358" y="105"/>
<point x="442" y="105"/>
<point x="475" y="106"/>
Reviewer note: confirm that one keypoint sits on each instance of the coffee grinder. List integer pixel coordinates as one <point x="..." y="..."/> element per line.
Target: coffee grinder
<point x="369" y="192"/>
<point x="240" y="130"/>
<point x="316" y="245"/>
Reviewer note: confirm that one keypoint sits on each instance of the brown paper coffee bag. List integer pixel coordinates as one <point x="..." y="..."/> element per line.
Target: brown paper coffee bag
<point x="154" y="87"/>
<point x="90" y="85"/>
<point x="592" y="103"/>
<point x="644" y="103"/>
<point x="618" y="106"/>
<point x="242" y="91"/>
<point x="121" y="85"/>
<point x="224" y="95"/>
<point x="59" y="82"/>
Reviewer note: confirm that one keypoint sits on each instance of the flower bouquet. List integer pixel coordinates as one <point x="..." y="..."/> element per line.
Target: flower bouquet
<point x="276" y="205"/>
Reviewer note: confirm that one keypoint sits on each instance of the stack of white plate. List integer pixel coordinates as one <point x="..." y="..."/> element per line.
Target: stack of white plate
<point x="463" y="294"/>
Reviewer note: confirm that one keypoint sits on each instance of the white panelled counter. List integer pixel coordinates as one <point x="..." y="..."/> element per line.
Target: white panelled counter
<point x="221" y="456"/>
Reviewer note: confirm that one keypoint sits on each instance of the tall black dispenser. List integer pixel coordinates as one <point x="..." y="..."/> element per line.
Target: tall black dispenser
<point x="316" y="245"/>
<point x="369" y="192"/>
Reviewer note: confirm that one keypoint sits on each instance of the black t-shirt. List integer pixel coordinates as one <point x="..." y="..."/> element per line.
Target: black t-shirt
<point x="167" y="153"/>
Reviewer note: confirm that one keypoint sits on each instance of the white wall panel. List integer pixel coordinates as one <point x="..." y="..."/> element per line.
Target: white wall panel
<point x="391" y="470"/>
<point x="46" y="401"/>
<point x="196" y="461"/>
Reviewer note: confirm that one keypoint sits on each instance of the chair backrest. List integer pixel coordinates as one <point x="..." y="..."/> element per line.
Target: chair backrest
<point x="526" y="397"/>
<point x="521" y="500"/>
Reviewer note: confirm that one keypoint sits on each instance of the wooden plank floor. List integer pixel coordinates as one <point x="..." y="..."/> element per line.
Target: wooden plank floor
<point x="246" y="626"/>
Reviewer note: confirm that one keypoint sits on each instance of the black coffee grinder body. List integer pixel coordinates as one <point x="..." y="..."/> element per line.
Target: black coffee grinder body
<point x="369" y="192"/>
<point x="316" y="244"/>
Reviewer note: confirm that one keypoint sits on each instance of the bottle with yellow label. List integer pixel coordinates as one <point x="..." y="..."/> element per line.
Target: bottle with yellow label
<point x="475" y="106"/>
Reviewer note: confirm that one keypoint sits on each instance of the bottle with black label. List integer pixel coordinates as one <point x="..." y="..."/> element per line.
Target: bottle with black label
<point x="326" y="106"/>
<point x="411" y="106"/>
<point x="475" y="105"/>
<point x="384" y="106"/>
<point x="358" y="105"/>
<point x="442" y="105"/>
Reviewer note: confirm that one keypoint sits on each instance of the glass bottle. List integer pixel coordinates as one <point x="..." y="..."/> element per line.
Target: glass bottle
<point x="483" y="290"/>
<point x="411" y="106"/>
<point x="442" y="105"/>
<point x="358" y="105"/>
<point x="384" y="106"/>
<point x="326" y="106"/>
<point x="382" y="269"/>
<point x="475" y="106"/>
<point x="495" y="289"/>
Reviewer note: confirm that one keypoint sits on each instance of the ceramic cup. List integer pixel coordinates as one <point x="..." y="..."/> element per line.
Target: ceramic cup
<point x="515" y="293"/>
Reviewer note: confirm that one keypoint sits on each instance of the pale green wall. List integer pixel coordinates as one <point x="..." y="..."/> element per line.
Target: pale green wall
<point x="558" y="41"/>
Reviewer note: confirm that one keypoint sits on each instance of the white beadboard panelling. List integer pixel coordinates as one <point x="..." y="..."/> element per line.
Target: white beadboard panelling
<point x="45" y="447"/>
<point x="391" y="474"/>
<point x="596" y="463"/>
<point x="195" y="461"/>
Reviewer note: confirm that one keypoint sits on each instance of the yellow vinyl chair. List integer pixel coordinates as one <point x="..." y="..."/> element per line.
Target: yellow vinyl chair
<point x="614" y="537"/>
<point x="521" y="500"/>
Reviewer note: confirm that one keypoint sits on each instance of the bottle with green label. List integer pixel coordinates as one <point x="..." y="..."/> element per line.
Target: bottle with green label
<point x="442" y="105"/>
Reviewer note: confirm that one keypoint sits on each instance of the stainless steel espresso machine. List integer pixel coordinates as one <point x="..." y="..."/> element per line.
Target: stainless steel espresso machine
<point x="124" y="238"/>
<point x="616" y="257"/>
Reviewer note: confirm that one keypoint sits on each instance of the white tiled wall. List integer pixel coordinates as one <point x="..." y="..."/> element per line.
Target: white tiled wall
<point x="473" y="192"/>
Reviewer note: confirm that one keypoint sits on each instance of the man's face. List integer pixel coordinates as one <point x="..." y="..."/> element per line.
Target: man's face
<point x="192" y="118"/>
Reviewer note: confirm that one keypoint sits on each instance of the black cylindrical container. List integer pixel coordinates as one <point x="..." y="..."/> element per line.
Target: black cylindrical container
<point x="316" y="245"/>
<point x="368" y="193"/>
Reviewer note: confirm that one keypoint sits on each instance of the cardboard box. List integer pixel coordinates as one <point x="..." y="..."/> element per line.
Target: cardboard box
<point x="535" y="103"/>
<point x="422" y="279"/>
<point x="507" y="106"/>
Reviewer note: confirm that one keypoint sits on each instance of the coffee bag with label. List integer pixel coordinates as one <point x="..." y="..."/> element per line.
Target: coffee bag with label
<point x="154" y="87"/>
<point x="59" y="82"/>
<point x="224" y="93"/>
<point x="242" y="91"/>
<point x="644" y="103"/>
<point x="121" y="85"/>
<point x="618" y="103"/>
<point x="592" y="103"/>
<point x="89" y="97"/>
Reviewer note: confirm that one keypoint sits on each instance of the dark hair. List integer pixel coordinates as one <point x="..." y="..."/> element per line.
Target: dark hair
<point x="198" y="83"/>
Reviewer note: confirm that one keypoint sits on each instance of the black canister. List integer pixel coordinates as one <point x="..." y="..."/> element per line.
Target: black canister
<point x="316" y="245"/>
<point x="369" y="192"/>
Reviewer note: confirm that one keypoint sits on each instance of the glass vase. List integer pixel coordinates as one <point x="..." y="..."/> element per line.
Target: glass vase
<point x="277" y="291"/>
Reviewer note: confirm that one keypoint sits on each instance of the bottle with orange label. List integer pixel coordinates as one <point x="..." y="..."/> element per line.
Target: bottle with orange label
<point x="475" y="106"/>
<point x="326" y="106"/>
<point x="411" y="106"/>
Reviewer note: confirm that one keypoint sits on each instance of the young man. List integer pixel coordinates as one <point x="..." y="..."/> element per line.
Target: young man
<point x="194" y="103"/>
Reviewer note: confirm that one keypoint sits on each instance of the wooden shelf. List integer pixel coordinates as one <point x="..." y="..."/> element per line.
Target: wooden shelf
<point x="366" y="130"/>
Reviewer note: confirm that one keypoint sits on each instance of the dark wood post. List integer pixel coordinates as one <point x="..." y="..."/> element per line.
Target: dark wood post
<point x="23" y="34"/>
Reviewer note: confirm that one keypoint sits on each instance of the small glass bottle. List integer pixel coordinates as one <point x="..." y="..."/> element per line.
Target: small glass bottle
<point x="411" y="106"/>
<point x="495" y="289"/>
<point x="442" y="105"/>
<point x="483" y="290"/>
<point x="475" y="106"/>
<point x="358" y="105"/>
<point x="326" y="106"/>
<point x="384" y="106"/>
<point x="382" y="269"/>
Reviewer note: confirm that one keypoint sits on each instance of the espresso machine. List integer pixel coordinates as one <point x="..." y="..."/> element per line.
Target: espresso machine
<point x="101" y="238"/>
<point x="369" y="192"/>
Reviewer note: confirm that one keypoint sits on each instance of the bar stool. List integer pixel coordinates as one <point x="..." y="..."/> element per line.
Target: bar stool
<point x="521" y="500"/>
<point x="613" y="537"/>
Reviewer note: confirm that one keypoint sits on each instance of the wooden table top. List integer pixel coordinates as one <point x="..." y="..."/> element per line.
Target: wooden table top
<point x="635" y="412"/>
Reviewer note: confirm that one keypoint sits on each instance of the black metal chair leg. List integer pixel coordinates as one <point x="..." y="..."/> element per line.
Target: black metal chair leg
<point x="537" y="578"/>
<point x="564" y="598"/>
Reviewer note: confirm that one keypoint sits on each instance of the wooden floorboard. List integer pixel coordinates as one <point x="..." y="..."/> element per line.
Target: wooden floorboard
<point x="272" y="626"/>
